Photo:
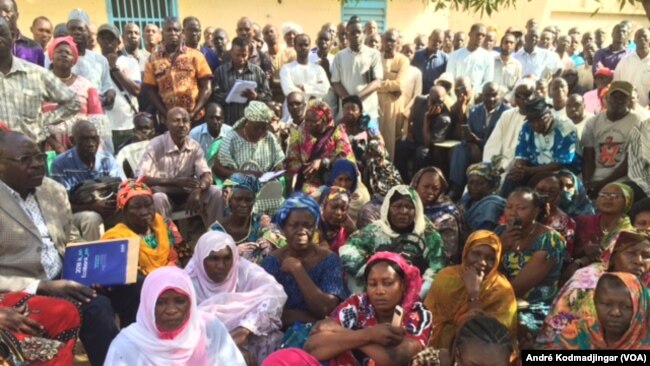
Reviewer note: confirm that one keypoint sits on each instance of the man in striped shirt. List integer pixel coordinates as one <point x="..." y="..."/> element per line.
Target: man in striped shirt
<point x="25" y="87"/>
<point x="238" y="68"/>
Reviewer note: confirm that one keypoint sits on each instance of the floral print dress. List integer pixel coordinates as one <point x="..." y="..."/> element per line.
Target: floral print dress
<point x="540" y="297"/>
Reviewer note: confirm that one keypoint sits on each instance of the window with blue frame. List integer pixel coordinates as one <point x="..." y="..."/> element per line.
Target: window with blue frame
<point x="140" y="12"/>
<point x="367" y="10"/>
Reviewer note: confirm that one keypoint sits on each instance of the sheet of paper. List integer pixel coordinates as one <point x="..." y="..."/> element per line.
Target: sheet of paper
<point x="269" y="176"/>
<point x="234" y="96"/>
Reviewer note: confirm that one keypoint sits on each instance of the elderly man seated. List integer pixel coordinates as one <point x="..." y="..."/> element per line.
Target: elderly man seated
<point x="83" y="163"/>
<point x="546" y="143"/>
<point x="174" y="166"/>
<point x="35" y="226"/>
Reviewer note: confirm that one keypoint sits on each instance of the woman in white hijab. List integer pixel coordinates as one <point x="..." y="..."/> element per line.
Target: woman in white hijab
<point x="171" y="330"/>
<point x="247" y="299"/>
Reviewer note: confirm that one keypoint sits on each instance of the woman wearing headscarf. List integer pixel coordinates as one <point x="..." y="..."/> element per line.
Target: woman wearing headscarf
<point x="620" y="321"/>
<point x="311" y="275"/>
<point x="249" y="148"/>
<point x="335" y="225"/>
<point x="575" y="300"/>
<point x="246" y="299"/>
<point x="379" y="175"/>
<point x="481" y="206"/>
<point x="474" y="286"/>
<point x="595" y="234"/>
<point x="359" y="330"/>
<point x="64" y="55"/>
<point x="254" y="240"/>
<point x="431" y="185"/>
<point x="402" y="229"/>
<point x="573" y="198"/>
<point x="158" y="235"/>
<point x="311" y="153"/>
<point x="344" y="174"/>
<point x="171" y="330"/>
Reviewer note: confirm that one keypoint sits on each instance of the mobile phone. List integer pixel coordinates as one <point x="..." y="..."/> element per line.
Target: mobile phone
<point x="397" y="316"/>
<point x="517" y="224"/>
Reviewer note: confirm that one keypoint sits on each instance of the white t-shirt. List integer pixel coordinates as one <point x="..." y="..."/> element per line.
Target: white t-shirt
<point x="610" y="141"/>
<point x="120" y="117"/>
<point x="352" y="70"/>
<point x="477" y="65"/>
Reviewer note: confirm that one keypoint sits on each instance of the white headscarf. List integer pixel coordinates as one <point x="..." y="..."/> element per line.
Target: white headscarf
<point x="248" y="297"/>
<point x="420" y="221"/>
<point x="202" y="341"/>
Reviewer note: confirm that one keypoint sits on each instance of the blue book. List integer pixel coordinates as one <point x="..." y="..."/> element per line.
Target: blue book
<point x="103" y="262"/>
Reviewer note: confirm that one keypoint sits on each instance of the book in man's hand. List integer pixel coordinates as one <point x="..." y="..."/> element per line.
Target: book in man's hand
<point x="102" y="262"/>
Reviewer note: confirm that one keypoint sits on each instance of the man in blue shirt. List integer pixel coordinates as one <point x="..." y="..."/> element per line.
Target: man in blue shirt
<point x="192" y="36"/>
<point x="81" y="163"/>
<point x="213" y="128"/>
<point x="546" y="143"/>
<point x="431" y="61"/>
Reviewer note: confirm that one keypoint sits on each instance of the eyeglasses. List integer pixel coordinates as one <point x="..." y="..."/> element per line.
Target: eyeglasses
<point x="27" y="159"/>
<point x="612" y="195"/>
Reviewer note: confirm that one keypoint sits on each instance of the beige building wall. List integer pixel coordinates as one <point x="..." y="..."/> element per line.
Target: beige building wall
<point x="409" y="16"/>
<point x="57" y="11"/>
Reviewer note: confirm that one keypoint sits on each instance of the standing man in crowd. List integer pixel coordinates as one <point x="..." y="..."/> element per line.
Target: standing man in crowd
<point x="192" y="37"/>
<point x="431" y="61"/>
<point x="635" y="67"/>
<point x="300" y="75"/>
<point x="239" y="68"/>
<point x="26" y="86"/>
<point x="131" y="38"/>
<point x="611" y="55"/>
<point x="473" y="61"/>
<point x="42" y="31"/>
<point x="357" y="70"/>
<point x="220" y="41"/>
<point x="125" y="74"/>
<point x="23" y="47"/>
<point x="245" y="29"/>
<point x="507" y="70"/>
<point x="177" y="75"/>
<point x="91" y="64"/>
<point x="541" y="63"/>
<point x="151" y="37"/>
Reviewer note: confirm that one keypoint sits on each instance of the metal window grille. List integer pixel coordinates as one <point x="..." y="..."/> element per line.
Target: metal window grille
<point x="140" y="12"/>
<point x="366" y="10"/>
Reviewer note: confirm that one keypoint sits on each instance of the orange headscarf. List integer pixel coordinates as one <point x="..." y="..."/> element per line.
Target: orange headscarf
<point x="447" y="297"/>
<point x="129" y="189"/>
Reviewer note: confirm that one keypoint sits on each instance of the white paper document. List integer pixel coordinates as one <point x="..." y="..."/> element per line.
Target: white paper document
<point x="234" y="96"/>
<point x="269" y="176"/>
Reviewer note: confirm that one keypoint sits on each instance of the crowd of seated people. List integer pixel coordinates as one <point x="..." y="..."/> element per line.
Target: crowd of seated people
<point x="358" y="206"/>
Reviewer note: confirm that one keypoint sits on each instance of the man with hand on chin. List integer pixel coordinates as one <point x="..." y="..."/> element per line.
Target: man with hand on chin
<point x="174" y="166"/>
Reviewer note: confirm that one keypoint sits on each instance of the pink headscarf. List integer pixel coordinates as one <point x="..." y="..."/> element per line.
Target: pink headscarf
<point x="247" y="287"/>
<point x="57" y="41"/>
<point x="412" y="278"/>
<point x="188" y="346"/>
